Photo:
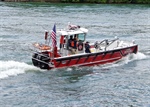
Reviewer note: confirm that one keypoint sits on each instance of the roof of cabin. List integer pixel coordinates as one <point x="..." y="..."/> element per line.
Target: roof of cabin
<point x="72" y="32"/>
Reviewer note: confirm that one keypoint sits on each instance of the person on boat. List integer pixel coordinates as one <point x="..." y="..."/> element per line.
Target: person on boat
<point x="74" y="44"/>
<point x="69" y="41"/>
<point x="71" y="45"/>
<point x="87" y="48"/>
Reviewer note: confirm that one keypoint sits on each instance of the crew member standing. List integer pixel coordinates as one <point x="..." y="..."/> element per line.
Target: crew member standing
<point x="71" y="45"/>
<point x="87" y="48"/>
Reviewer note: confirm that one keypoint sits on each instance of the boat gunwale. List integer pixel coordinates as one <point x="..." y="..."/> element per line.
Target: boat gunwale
<point x="93" y="54"/>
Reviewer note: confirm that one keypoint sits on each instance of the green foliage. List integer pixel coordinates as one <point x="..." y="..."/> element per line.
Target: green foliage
<point x="95" y="1"/>
<point x="121" y="1"/>
<point x="142" y="1"/>
<point x="107" y="1"/>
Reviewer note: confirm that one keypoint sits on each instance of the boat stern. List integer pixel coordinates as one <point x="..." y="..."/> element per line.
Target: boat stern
<point x="41" y="60"/>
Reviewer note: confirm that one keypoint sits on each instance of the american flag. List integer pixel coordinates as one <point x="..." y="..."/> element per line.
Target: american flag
<point x="53" y="36"/>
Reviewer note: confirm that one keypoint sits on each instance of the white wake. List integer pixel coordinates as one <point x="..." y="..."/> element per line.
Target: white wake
<point x="13" y="68"/>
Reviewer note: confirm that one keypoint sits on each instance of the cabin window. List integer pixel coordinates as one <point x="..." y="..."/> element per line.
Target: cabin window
<point x="81" y="37"/>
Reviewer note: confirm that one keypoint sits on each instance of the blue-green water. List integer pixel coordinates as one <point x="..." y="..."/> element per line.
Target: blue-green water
<point x="122" y="84"/>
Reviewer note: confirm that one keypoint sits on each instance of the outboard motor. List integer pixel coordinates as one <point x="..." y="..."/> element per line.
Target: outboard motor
<point x="34" y="57"/>
<point x="41" y="60"/>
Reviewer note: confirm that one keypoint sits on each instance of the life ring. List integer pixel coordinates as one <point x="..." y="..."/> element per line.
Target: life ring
<point x="80" y="47"/>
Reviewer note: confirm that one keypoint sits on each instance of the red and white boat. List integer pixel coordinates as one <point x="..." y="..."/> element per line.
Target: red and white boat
<point x="102" y="51"/>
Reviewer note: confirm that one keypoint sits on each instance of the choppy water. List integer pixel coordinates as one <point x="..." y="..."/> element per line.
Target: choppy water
<point x="122" y="84"/>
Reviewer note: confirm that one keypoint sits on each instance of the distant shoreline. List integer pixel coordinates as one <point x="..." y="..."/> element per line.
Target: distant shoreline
<point x="86" y="1"/>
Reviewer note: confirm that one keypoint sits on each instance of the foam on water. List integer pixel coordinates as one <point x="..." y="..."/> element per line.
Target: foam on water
<point x="13" y="68"/>
<point x="141" y="56"/>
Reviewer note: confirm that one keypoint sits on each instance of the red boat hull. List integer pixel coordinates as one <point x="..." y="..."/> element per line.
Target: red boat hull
<point x="94" y="58"/>
<point x="83" y="59"/>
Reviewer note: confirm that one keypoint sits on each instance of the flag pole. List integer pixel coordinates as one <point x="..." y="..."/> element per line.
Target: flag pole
<point x="46" y="37"/>
<point x="54" y="42"/>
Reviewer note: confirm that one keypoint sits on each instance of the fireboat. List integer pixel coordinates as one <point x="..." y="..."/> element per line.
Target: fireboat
<point x="70" y="52"/>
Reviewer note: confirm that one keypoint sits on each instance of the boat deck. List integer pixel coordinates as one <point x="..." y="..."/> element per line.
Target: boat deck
<point x="116" y="44"/>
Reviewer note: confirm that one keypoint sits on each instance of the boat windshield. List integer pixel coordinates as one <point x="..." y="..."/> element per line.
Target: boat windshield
<point x="81" y="37"/>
